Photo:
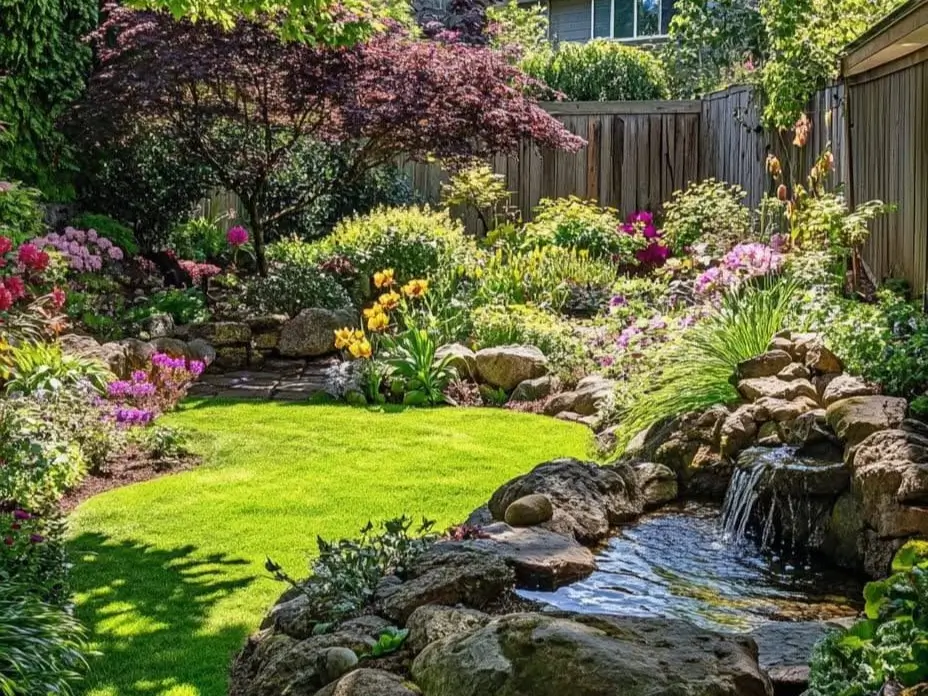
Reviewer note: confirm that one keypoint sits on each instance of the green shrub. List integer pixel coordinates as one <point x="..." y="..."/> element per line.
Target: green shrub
<point x="544" y="276"/>
<point x="295" y="282"/>
<point x="698" y="366"/>
<point x="113" y="230"/>
<point x="21" y="217"/>
<point x="574" y="223"/>
<point x="185" y="306"/>
<point x="414" y="368"/>
<point x="200" y="238"/>
<point x="889" y="645"/>
<point x="709" y="212"/>
<point x="347" y="572"/>
<point x="600" y="70"/>
<point x="35" y="367"/>
<point x="414" y="241"/>
<point x="42" y="647"/>
<point x="521" y="324"/>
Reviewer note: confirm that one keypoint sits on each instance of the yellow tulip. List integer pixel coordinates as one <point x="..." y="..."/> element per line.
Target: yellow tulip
<point x="360" y="349"/>
<point x="416" y="288"/>
<point x="343" y="337"/>
<point x="389" y="301"/>
<point x="372" y="311"/>
<point x="378" y="322"/>
<point x="384" y="278"/>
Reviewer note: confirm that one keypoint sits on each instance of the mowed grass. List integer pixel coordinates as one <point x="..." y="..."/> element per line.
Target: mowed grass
<point x="169" y="573"/>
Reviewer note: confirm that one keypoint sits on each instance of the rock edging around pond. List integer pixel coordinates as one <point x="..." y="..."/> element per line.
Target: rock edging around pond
<point x="470" y="635"/>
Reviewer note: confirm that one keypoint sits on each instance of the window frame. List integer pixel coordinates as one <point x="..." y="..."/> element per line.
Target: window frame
<point x="612" y="36"/>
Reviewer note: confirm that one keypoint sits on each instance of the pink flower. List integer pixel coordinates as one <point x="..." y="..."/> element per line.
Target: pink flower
<point x="237" y="236"/>
<point x="6" y="244"/>
<point x="32" y="258"/>
<point x="115" y="253"/>
<point x="58" y="298"/>
<point x="16" y="287"/>
<point x="6" y="299"/>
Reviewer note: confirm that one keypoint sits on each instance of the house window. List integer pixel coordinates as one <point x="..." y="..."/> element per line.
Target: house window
<point x="630" y="19"/>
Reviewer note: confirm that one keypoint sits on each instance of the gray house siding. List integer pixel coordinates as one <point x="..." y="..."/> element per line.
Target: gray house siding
<point x="570" y="20"/>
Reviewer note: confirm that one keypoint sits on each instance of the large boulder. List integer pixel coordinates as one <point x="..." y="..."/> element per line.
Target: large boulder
<point x="776" y="388"/>
<point x="858" y="417"/>
<point x="548" y="655"/>
<point x="890" y="477"/>
<point x="587" y="498"/>
<point x="658" y="483"/>
<point x="461" y="358"/>
<point x="841" y="387"/>
<point x="591" y="393"/>
<point x="448" y="574"/>
<point x="368" y="682"/>
<point x="434" y="622"/>
<point x="541" y="559"/>
<point x="222" y="333"/>
<point x="113" y="355"/>
<point x="311" y="333"/>
<point x="738" y="430"/>
<point x="506" y="366"/>
<point x="534" y="389"/>
<point x="764" y="365"/>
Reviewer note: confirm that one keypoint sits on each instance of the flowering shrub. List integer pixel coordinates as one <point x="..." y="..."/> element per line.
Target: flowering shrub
<point x="199" y="271"/>
<point x="641" y="225"/>
<point x="147" y="394"/>
<point x="745" y="261"/>
<point x="81" y="250"/>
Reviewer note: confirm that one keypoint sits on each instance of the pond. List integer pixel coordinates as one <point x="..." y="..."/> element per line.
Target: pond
<point x="680" y="563"/>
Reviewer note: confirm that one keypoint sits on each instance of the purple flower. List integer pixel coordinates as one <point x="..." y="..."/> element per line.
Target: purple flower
<point x="21" y="515"/>
<point x="36" y="538"/>
<point x="237" y="236"/>
<point x="196" y="367"/>
<point x="140" y="376"/>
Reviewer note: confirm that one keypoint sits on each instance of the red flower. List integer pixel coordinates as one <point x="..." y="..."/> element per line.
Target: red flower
<point x="32" y="257"/>
<point x="8" y="541"/>
<point x="16" y="287"/>
<point x="58" y="298"/>
<point x="5" y="245"/>
<point x="6" y="299"/>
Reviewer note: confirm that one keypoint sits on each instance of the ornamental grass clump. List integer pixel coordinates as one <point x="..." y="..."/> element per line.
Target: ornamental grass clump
<point x="698" y="366"/>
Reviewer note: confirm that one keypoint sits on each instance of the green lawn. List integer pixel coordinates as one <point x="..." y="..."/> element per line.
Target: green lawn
<point x="169" y="572"/>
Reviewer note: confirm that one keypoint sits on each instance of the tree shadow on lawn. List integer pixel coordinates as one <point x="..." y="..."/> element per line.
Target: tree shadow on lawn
<point x="150" y="614"/>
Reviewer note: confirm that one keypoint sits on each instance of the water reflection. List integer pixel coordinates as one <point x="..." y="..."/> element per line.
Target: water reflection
<point x="678" y="563"/>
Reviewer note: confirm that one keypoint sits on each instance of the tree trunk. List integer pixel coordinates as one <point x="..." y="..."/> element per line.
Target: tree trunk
<point x="257" y="230"/>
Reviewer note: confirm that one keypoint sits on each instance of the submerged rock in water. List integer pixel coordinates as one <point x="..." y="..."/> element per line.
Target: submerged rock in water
<point x="543" y="655"/>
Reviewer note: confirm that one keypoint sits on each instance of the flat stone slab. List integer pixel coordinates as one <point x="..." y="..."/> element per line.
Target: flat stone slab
<point x="278" y="380"/>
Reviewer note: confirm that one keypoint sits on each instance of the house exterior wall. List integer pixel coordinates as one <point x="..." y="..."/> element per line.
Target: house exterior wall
<point x="570" y="20"/>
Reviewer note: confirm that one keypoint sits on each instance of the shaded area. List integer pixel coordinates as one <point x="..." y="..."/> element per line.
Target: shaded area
<point x="150" y="612"/>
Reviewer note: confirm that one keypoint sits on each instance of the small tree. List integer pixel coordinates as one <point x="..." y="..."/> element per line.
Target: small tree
<point x="243" y="100"/>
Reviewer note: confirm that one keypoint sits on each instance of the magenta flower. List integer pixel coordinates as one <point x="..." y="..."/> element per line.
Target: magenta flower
<point x="21" y="515"/>
<point x="237" y="236"/>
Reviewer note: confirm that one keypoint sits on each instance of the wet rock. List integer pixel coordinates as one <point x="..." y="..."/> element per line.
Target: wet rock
<point x="432" y="622"/>
<point x="843" y="532"/>
<point x="844" y="387"/>
<point x="587" y="498"/>
<point x="769" y="435"/>
<point x="789" y="475"/>
<point x="738" y="430"/>
<point x="506" y="366"/>
<point x="540" y="558"/>
<point x="529" y="510"/>
<point x="448" y="575"/>
<point x="890" y="476"/>
<point x="764" y="365"/>
<point x="773" y="387"/>
<point x="368" y="682"/>
<point x="534" y="389"/>
<point x="546" y="655"/>
<point x="854" y="419"/>
<point x="311" y="333"/>
<point x="658" y="484"/>
<point x="461" y="358"/>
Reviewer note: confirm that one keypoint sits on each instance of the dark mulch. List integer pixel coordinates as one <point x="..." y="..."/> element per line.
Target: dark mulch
<point x="133" y="466"/>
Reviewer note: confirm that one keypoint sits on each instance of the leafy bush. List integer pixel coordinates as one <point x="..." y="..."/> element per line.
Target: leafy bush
<point x="42" y="647"/>
<point x="421" y="376"/>
<point x="35" y="367"/>
<point x="497" y="325"/>
<point x="185" y="306"/>
<point x="885" y="342"/>
<point x="347" y="572"/>
<point x="21" y="217"/>
<point x="697" y="368"/>
<point x="111" y="229"/>
<point x="543" y="276"/>
<point x="414" y="241"/>
<point x="479" y="187"/>
<point x="600" y="70"/>
<point x="295" y="281"/>
<point x="890" y="645"/>
<point x="709" y="212"/>
<point x="574" y="223"/>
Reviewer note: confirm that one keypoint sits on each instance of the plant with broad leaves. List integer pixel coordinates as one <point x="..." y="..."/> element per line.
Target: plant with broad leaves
<point x="347" y="572"/>
<point x="389" y="641"/>
<point x="421" y="376"/>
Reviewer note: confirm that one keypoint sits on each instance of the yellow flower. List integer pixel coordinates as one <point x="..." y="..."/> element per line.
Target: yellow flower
<point x="416" y="288"/>
<point x="343" y="337"/>
<point x="389" y="300"/>
<point x="384" y="278"/>
<point x="378" y="321"/>
<point x="372" y="310"/>
<point x="360" y="349"/>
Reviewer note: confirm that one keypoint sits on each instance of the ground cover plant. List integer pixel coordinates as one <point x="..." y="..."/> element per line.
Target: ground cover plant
<point x="440" y="463"/>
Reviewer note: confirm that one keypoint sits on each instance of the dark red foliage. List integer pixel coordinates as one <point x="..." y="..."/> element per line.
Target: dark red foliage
<point x="241" y="99"/>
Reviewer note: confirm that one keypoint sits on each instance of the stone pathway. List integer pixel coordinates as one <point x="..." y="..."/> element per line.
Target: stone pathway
<point x="279" y="380"/>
